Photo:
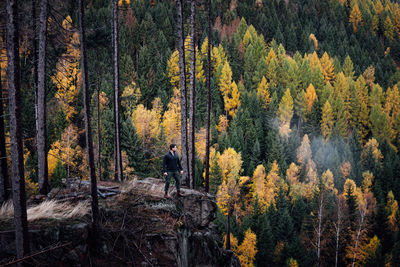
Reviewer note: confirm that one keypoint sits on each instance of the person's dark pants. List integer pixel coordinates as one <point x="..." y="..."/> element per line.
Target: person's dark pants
<point x="177" y="178"/>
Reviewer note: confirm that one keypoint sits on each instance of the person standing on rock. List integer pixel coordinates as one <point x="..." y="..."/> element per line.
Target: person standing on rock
<point x="172" y="168"/>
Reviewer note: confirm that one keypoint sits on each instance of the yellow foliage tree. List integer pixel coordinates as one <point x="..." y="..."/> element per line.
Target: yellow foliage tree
<point x="314" y="40"/>
<point x="355" y="17"/>
<point x="285" y="114"/>
<point x="263" y="92"/>
<point x="68" y="76"/>
<point x="315" y="63"/>
<point x="234" y="242"/>
<point x="350" y="188"/>
<point x="230" y="163"/>
<point x="328" y="69"/>
<point x="147" y="123"/>
<point x="200" y="143"/>
<point x="378" y="7"/>
<point x="296" y="188"/>
<point x="67" y="150"/>
<point x="311" y="96"/>
<point x="229" y="90"/>
<point x="223" y="124"/>
<point x="260" y="186"/>
<point x="273" y="184"/>
<point x="173" y="65"/>
<point x="388" y="28"/>
<point x="327" y="181"/>
<point x="368" y="177"/>
<point x="271" y="56"/>
<point x="292" y="263"/>
<point x="247" y="250"/>
<point x="171" y="121"/>
<point x="392" y="109"/>
<point x="130" y="98"/>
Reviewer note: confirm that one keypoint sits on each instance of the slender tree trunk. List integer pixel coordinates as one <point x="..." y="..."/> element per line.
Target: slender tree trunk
<point x="35" y="60"/>
<point x="4" y="183"/>
<point x="192" y="96"/>
<point x="41" y="103"/>
<point x="117" y="142"/>
<point x="208" y="76"/>
<point x="17" y="159"/>
<point x="228" y="227"/>
<point x="360" y="228"/>
<point x="88" y="128"/>
<point x="182" y="76"/>
<point x="98" y="131"/>
<point x="319" y="230"/>
<point x="338" y="227"/>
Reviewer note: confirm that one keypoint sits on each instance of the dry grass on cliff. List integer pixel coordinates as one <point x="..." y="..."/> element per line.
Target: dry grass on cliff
<point x="48" y="210"/>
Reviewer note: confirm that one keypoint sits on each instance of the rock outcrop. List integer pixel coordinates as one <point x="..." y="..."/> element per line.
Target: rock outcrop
<point x="140" y="228"/>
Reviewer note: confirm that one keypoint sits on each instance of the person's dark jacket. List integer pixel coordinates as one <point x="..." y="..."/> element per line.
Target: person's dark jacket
<point x="172" y="163"/>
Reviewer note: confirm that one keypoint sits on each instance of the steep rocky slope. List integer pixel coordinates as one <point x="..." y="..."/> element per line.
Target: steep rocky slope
<point x="140" y="228"/>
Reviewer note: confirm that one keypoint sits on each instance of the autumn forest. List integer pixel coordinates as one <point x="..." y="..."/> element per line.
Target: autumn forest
<point x="287" y="111"/>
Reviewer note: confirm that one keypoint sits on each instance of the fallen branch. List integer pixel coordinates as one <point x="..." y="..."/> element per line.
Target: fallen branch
<point x="35" y="254"/>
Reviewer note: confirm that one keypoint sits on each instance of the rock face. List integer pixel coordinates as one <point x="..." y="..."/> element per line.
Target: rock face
<point x="140" y="228"/>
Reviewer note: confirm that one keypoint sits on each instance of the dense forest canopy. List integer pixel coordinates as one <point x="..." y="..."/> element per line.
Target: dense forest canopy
<point x="305" y="115"/>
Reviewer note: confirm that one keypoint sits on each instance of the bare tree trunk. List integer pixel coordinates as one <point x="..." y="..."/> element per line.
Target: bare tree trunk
<point x="35" y="60"/>
<point x="338" y="226"/>
<point x="98" y="131"/>
<point x="208" y="76"/>
<point x="319" y="230"/>
<point x="17" y="159"/>
<point x="4" y="183"/>
<point x="117" y="142"/>
<point x="88" y="128"/>
<point x="360" y="228"/>
<point x="192" y="96"/>
<point x="41" y="103"/>
<point x="182" y="76"/>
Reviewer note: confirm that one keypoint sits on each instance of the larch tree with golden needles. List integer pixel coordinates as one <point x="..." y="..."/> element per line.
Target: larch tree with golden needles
<point x="260" y="186"/>
<point x="314" y="40"/>
<point x="273" y="183"/>
<point x="229" y="91"/>
<point x="230" y="164"/>
<point x="292" y="176"/>
<point x="68" y="76"/>
<point x="67" y="150"/>
<point x="311" y="96"/>
<point x="285" y="114"/>
<point x="366" y="205"/>
<point x="388" y="29"/>
<point x="392" y="109"/>
<point x="147" y="124"/>
<point x="263" y="92"/>
<point x="328" y="69"/>
<point x="378" y="7"/>
<point x="171" y="121"/>
<point x="355" y="17"/>
<point x="342" y="90"/>
<point x="247" y="251"/>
